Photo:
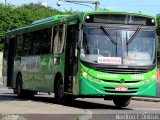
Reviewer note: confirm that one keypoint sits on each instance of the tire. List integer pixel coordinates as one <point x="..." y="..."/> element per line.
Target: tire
<point x="121" y="101"/>
<point x="28" y="94"/>
<point x="60" y="97"/>
<point x="15" y="90"/>
<point x="19" y="89"/>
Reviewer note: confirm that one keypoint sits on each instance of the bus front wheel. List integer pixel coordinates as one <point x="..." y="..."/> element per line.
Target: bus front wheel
<point x="60" y="96"/>
<point x="121" y="101"/>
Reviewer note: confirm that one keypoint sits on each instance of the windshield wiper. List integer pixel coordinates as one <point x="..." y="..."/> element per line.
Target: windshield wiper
<point x="106" y="31"/>
<point x="133" y="36"/>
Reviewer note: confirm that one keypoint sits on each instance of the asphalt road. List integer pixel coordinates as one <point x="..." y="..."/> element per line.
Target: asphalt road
<point x="43" y="107"/>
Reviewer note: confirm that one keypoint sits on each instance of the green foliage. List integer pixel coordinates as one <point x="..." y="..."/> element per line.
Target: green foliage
<point x="12" y="17"/>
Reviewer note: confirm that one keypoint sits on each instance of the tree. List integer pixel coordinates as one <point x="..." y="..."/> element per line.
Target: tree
<point x="12" y="17"/>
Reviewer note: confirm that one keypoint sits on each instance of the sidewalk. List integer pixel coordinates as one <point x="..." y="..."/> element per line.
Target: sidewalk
<point x="149" y="99"/>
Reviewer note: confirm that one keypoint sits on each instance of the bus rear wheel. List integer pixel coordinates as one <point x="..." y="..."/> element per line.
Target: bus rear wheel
<point x="60" y="96"/>
<point x="19" y="89"/>
<point x="121" y="101"/>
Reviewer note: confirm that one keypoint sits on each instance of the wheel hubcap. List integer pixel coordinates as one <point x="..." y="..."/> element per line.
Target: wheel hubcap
<point x="61" y="91"/>
<point x="18" y="89"/>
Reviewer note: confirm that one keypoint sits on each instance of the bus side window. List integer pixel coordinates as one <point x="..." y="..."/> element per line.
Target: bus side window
<point x="41" y="41"/>
<point x="35" y="36"/>
<point x="58" y="37"/>
<point x="45" y="43"/>
<point x="27" y="44"/>
<point x="19" y="47"/>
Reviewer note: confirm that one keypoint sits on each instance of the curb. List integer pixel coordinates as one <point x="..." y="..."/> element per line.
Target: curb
<point x="146" y="99"/>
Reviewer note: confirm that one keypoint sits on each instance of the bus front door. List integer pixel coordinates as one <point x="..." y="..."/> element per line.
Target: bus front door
<point x="70" y="58"/>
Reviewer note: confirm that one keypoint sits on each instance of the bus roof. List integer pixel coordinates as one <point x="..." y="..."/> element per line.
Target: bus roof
<point x="53" y="20"/>
<point x="56" y="17"/>
<point x="118" y="12"/>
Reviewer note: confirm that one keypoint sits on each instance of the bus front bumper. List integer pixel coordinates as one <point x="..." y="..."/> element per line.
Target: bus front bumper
<point x="87" y="87"/>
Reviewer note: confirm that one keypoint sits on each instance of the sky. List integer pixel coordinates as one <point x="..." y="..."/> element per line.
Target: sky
<point x="151" y="7"/>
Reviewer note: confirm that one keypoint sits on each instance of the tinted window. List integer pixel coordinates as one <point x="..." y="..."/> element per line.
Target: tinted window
<point x="19" y="47"/>
<point x="26" y="44"/>
<point x="41" y="41"/>
<point x="34" y="43"/>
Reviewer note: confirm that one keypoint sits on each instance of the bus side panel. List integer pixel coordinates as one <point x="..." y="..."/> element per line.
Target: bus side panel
<point x="43" y="74"/>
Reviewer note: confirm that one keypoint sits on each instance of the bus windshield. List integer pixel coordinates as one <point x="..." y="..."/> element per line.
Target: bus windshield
<point x="118" y="46"/>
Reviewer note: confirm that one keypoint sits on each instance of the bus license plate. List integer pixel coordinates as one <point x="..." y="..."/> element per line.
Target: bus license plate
<point x="121" y="88"/>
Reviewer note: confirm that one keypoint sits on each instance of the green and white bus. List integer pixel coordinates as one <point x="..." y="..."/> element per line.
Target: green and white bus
<point x="106" y="54"/>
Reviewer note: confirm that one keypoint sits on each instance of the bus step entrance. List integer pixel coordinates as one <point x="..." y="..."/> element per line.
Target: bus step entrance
<point x="69" y="85"/>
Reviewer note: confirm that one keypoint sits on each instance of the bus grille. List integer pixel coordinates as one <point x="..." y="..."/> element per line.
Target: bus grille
<point x="120" y="69"/>
<point x="123" y="70"/>
<point x="114" y="81"/>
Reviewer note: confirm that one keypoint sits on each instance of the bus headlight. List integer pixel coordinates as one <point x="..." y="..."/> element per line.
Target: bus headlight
<point x="90" y="78"/>
<point x="97" y="80"/>
<point x="154" y="77"/>
<point x="144" y="82"/>
<point x="84" y="74"/>
<point x="150" y="80"/>
<point x="87" y="76"/>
